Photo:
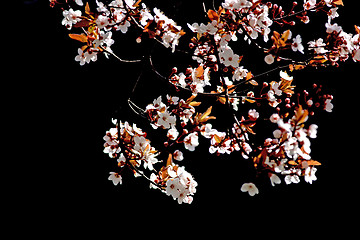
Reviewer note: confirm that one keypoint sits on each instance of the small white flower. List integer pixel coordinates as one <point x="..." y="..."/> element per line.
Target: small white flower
<point x="285" y="76"/>
<point x="269" y="59"/>
<point x="310" y="174"/>
<point x="297" y="44"/>
<point x="333" y="13"/>
<point x="293" y="175"/>
<point x="80" y="57"/>
<point x="330" y="28"/>
<point x="228" y="58"/>
<point x="166" y="120"/>
<point x="240" y="73"/>
<point x="328" y="105"/>
<point x="79" y="2"/>
<point x="276" y="88"/>
<point x="115" y="178"/>
<point x="178" y="155"/>
<point x="172" y="133"/>
<point x="274" y="179"/>
<point x="236" y="4"/>
<point x="277" y="133"/>
<point x="70" y="17"/>
<point x="250" y="188"/>
<point x="191" y="141"/>
<point x="153" y="178"/>
<point x="275" y="118"/>
<point x="312" y="132"/>
<point x="102" y="21"/>
<point x="172" y="186"/>
<point x="356" y="55"/>
<point x="309" y="4"/>
<point x="253" y="114"/>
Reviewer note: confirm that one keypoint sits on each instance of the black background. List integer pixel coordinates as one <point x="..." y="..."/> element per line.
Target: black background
<point x="66" y="109"/>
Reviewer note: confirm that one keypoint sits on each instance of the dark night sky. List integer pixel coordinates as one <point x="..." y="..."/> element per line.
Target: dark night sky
<point x="69" y="107"/>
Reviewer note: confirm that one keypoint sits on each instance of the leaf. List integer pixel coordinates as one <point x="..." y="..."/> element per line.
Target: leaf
<point x="253" y="82"/>
<point x="249" y="75"/>
<point x="291" y="162"/>
<point x="200" y="118"/>
<point x="207" y="113"/>
<point x="82" y="23"/>
<point x="213" y="15"/>
<point x="318" y="59"/>
<point x="79" y="37"/>
<point x="286" y="87"/>
<point x="261" y="157"/>
<point x="280" y="41"/>
<point x="313" y="163"/>
<point x="338" y="2"/>
<point x="217" y="138"/>
<point x="250" y="100"/>
<point x="87" y="9"/>
<point x="137" y="3"/>
<point x="222" y="100"/>
<point x="169" y="160"/>
<point x="293" y="67"/>
<point x="189" y="100"/>
<point x="199" y="72"/>
<point x="248" y="128"/>
<point x="195" y="104"/>
<point x="301" y="115"/>
<point x="357" y="29"/>
<point x="285" y="35"/>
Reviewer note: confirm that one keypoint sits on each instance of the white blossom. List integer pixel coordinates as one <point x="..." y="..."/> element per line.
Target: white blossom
<point x="115" y="178"/>
<point x="250" y="188"/>
<point x="70" y="17"/>
<point x="274" y="179"/>
<point x="269" y="59"/>
<point x="191" y="141"/>
<point x="328" y="105"/>
<point x="310" y="174"/>
<point x="297" y="44"/>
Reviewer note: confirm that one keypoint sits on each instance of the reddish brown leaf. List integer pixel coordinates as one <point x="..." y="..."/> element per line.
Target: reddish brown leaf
<point x="213" y="15"/>
<point x="79" y="37"/>
<point x="338" y="2"/>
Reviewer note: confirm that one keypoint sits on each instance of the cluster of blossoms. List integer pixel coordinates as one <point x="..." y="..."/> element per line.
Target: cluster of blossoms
<point x="218" y="73"/>
<point x="178" y="183"/>
<point x="118" y="15"/>
<point x="130" y="146"/>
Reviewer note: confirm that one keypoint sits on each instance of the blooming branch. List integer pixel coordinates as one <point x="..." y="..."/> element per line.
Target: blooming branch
<point x="216" y="78"/>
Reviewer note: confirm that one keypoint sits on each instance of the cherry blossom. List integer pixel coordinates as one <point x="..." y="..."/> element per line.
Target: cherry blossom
<point x="310" y="174"/>
<point x="173" y="187"/>
<point x="191" y="141"/>
<point x="178" y="155"/>
<point x="250" y="188"/>
<point x="297" y="44"/>
<point x="115" y="178"/>
<point x="217" y="75"/>
<point x="328" y="105"/>
<point x="70" y="17"/>
<point x="274" y="179"/>
<point x="79" y="2"/>
<point x="269" y="59"/>
<point x="228" y="57"/>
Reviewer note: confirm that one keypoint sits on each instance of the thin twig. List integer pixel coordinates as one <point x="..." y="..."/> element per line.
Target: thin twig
<point x="118" y="58"/>
<point x="136" y="109"/>
<point x="146" y="177"/>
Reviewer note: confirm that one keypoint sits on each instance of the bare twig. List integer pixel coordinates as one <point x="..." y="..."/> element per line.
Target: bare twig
<point x="118" y="58"/>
